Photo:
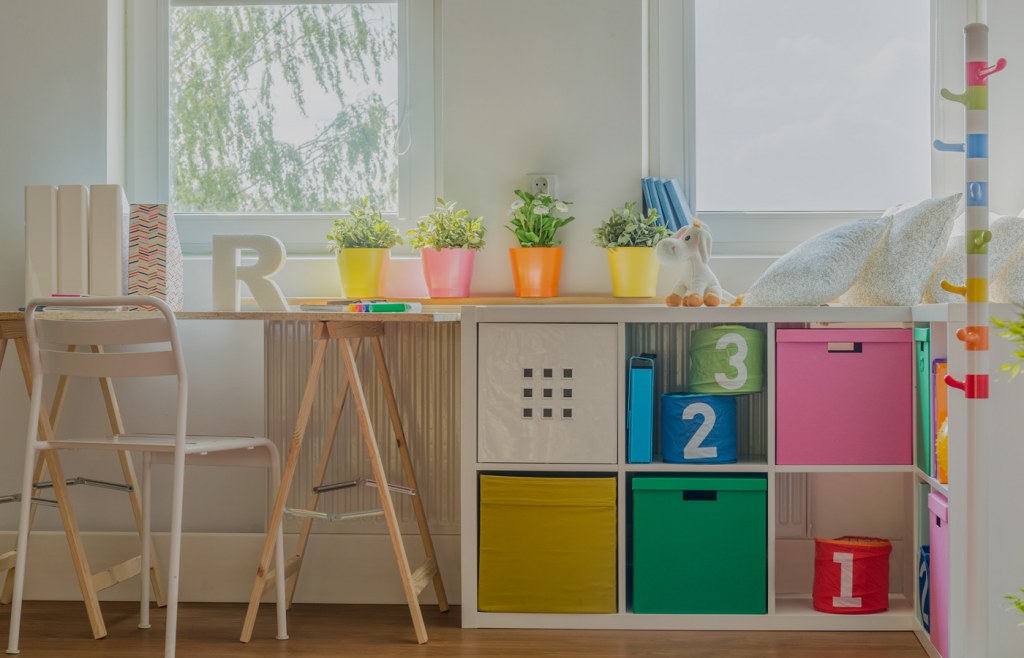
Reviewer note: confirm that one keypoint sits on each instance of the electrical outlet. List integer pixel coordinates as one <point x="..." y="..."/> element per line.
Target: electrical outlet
<point x="541" y="184"/>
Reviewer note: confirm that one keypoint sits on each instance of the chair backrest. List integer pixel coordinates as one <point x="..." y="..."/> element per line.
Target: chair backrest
<point x="55" y="331"/>
<point x="57" y="328"/>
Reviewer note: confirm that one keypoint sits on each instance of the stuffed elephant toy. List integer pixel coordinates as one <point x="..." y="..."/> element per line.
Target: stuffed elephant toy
<point x="689" y="249"/>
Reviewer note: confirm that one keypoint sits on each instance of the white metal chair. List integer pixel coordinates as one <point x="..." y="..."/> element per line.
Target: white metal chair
<point x="146" y="346"/>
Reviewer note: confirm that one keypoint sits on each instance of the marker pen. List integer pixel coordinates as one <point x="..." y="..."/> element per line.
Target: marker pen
<point x="396" y="307"/>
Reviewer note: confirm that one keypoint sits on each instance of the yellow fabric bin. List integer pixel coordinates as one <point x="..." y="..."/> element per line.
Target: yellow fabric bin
<point x="547" y="544"/>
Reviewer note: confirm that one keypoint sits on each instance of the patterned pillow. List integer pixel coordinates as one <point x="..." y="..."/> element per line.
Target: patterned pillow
<point x="818" y="270"/>
<point x="1007" y="234"/>
<point x="898" y="269"/>
<point x="1008" y="283"/>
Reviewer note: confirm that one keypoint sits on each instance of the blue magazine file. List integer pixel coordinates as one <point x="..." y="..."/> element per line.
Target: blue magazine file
<point x="640" y="411"/>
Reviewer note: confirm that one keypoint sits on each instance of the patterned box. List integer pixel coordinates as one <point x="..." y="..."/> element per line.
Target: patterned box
<point x="154" y="254"/>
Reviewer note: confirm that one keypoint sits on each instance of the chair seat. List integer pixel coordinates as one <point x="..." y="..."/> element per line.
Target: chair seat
<point x="158" y="443"/>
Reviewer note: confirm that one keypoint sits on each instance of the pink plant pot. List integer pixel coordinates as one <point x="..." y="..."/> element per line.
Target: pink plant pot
<point x="448" y="271"/>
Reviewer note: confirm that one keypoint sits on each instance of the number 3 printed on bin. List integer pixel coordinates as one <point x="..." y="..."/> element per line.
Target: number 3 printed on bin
<point x="735" y="360"/>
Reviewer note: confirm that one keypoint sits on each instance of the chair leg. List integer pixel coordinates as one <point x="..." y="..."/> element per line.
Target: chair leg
<point x="22" y="557"/>
<point x="147" y="503"/>
<point x="282" y="600"/>
<point x="174" y="568"/>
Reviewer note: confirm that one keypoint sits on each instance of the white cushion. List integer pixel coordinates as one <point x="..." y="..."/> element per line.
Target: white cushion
<point x="1007" y="234"/>
<point x="898" y="268"/>
<point x="1008" y="283"/>
<point x="818" y="270"/>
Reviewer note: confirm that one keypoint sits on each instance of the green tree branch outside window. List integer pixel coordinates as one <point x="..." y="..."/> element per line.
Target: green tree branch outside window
<point x="227" y="64"/>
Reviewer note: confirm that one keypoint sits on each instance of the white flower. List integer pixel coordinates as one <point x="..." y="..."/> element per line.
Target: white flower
<point x="517" y="204"/>
<point x="541" y="210"/>
<point x="561" y="207"/>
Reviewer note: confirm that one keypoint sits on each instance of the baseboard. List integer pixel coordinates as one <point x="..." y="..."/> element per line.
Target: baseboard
<point x="338" y="568"/>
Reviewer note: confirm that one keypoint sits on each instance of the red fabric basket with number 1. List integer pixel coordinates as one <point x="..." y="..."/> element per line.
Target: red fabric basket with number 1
<point x="851" y="575"/>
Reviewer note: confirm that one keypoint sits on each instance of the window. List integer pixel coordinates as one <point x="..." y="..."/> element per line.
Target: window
<point x="273" y="117"/>
<point x="787" y="117"/>
<point x="811" y="105"/>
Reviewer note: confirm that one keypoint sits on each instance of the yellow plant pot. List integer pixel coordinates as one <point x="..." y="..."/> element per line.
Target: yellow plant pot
<point x="360" y="271"/>
<point x="634" y="271"/>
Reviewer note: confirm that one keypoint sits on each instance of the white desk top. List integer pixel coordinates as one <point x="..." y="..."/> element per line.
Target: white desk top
<point x="432" y="315"/>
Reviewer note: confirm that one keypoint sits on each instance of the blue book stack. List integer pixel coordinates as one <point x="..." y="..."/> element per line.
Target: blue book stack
<point x="680" y="206"/>
<point x="640" y="412"/>
<point x="671" y="221"/>
<point x="652" y="199"/>
<point x="666" y="196"/>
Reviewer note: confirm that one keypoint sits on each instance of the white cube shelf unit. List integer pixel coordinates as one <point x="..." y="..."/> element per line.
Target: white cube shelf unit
<point x="549" y="349"/>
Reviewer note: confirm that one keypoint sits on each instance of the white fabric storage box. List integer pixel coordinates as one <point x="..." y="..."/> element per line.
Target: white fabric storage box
<point x="547" y="393"/>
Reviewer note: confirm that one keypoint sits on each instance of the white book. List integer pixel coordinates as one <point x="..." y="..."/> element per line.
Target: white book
<point x="40" y="241"/>
<point x="73" y="239"/>
<point x="108" y="240"/>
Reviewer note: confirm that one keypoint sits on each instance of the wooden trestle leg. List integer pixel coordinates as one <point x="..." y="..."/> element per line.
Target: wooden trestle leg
<point x="413" y="582"/>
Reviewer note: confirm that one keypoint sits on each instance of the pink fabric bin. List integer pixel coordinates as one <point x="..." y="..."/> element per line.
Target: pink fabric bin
<point x="844" y="396"/>
<point x="938" y="536"/>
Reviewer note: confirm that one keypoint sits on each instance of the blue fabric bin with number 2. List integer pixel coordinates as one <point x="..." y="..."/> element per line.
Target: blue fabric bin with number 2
<point x="698" y="429"/>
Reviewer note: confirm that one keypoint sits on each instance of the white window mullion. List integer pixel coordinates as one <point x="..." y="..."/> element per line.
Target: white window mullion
<point x="416" y="139"/>
<point x="148" y="98"/>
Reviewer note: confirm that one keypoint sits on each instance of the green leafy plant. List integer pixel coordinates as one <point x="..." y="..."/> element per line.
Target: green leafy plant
<point x="448" y="228"/>
<point x="628" y="228"/>
<point x="1014" y="331"/>
<point x="1018" y="603"/>
<point x="534" y="222"/>
<point x="365" y="227"/>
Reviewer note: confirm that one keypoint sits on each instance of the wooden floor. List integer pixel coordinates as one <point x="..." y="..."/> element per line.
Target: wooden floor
<point x="211" y="631"/>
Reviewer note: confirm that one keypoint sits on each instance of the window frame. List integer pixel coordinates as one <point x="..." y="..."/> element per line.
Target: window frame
<point x="672" y="134"/>
<point x="148" y="127"/>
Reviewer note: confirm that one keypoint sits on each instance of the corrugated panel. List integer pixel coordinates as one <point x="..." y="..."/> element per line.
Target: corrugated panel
<point x="671" y="343"/>
<point x="791" y="505"/>
<point x="424" y="363"/>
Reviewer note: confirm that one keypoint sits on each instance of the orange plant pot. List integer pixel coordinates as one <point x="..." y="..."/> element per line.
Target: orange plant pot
<point x="535" y="270"/>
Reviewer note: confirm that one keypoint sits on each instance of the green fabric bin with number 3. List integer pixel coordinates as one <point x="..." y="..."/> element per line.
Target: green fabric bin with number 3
<point x="726" y="360"/>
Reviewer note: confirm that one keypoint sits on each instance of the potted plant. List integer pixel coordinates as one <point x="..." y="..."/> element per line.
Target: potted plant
<point x="629" y="240"/>
<point x="361" y="242"/>
<point x="537" y="261"/>
<point x="1018" y="603"/>
<point x="448" y="239"/>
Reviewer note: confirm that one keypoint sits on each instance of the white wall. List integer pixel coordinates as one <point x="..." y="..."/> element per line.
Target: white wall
<point x="559" y="94"/>
<point x="1006" y="108"/>
<point x="53" y="128"/>
<point x="53" y="124"/>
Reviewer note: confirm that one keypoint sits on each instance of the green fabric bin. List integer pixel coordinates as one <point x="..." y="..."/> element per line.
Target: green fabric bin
<point x="726" y="359"/>
<point x="923" y="356"/>
<point x="700" y="545"/>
